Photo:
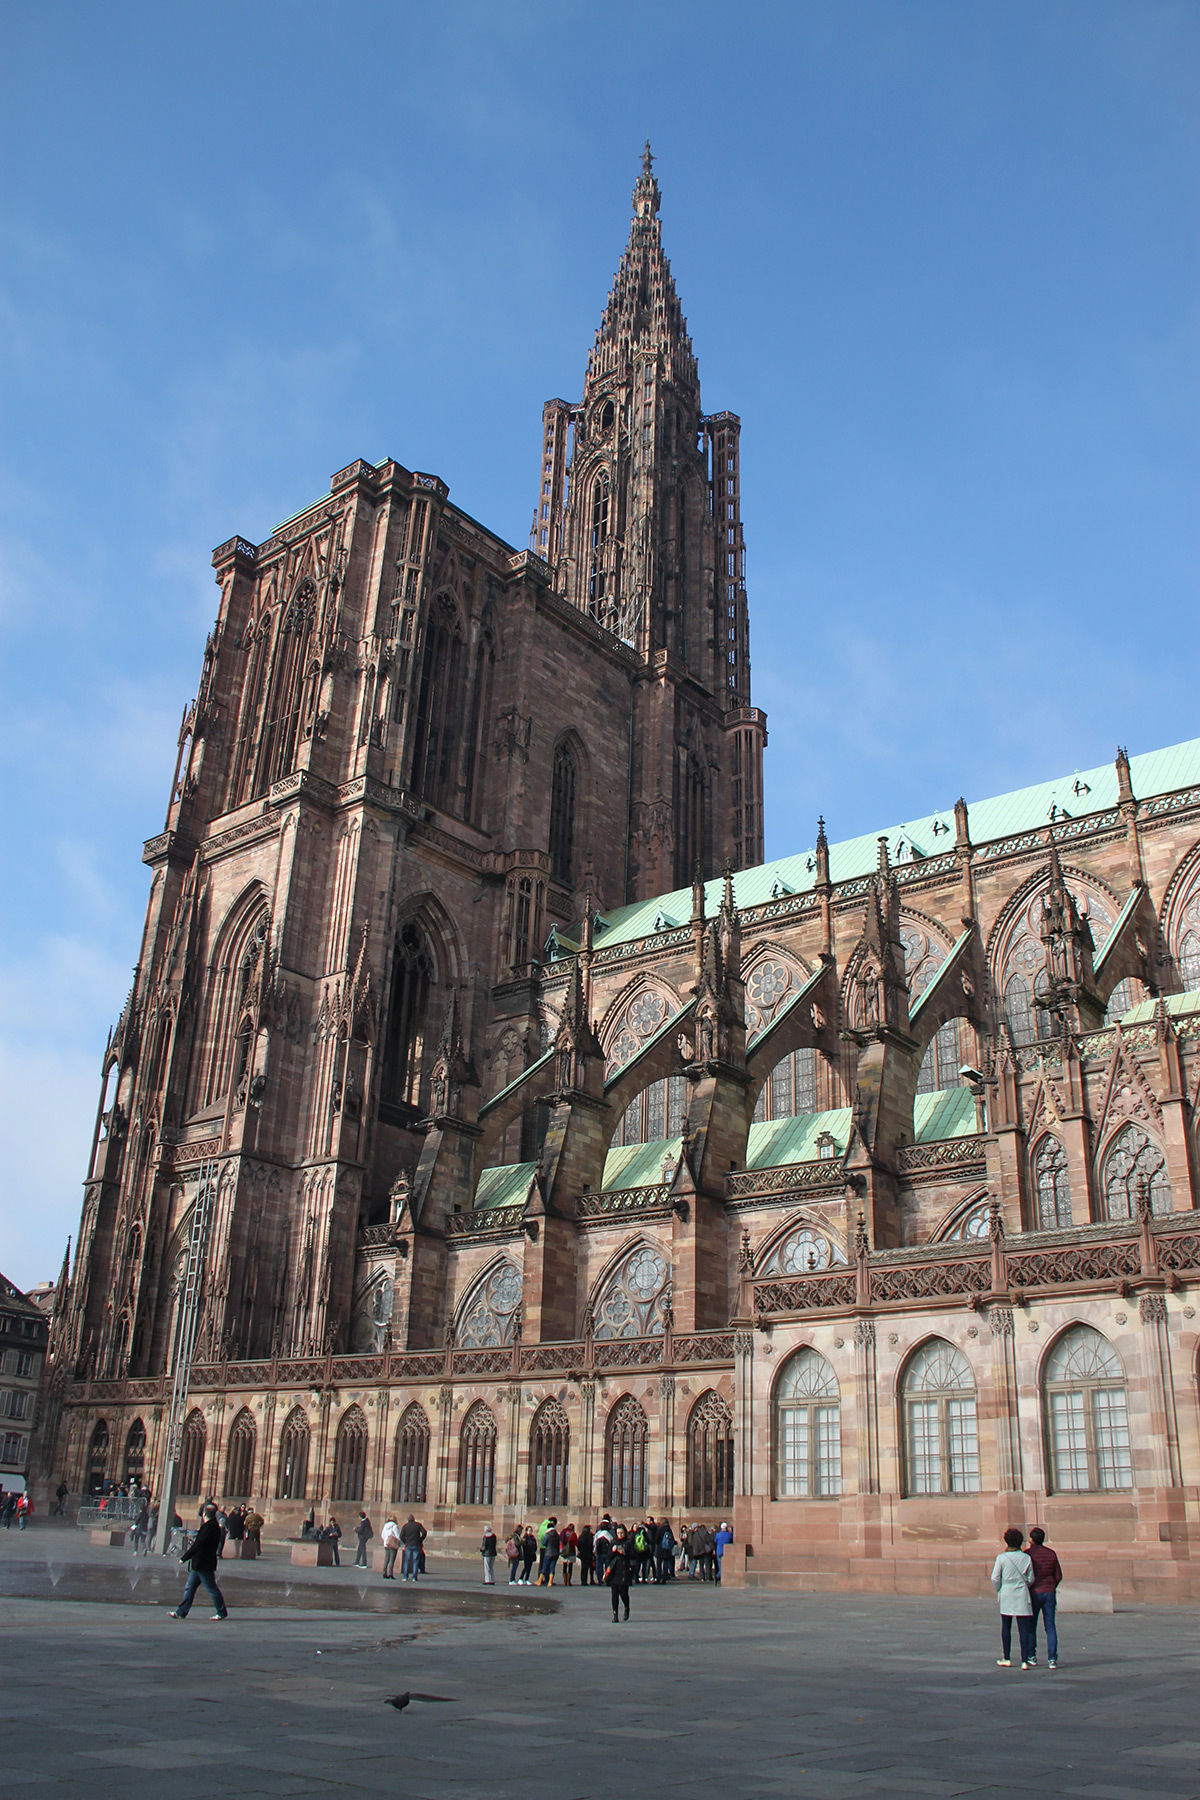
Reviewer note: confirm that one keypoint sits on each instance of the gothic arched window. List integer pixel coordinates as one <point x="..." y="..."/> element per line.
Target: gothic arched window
<point x="410" y="1479"/>
<point x="633" y="1301"/>
<point x="491" y="1312"/>
<point x="808" y="1429"/>
<point x="97" y="1456"/>
<point x="350" y="1456"/>
<point x="292" y="695"/>
<point x="942" y="1061"/>
<point x="691" y="845"/>
<point x="235" y="978"/>
<point x="598" y="536"/>
<point x="562" y="816"/>
<point x="710" y="1452"/>
<point x="1189" y="960"/>
<point x="1018" y="1009"/>
<point x="1133" y="1163"/>
<point x="293" y="1456"/>
<point x="791" y="1088"/>
<point x="1125" y="996"/>
<point x="1086" y="1415"/>
<point x="437" y="727"/>
<point x="626" y="1438"/>
<point x="239" y="1460"/>
<point x="549" y="1455"/>
<point x="404" y="1045"/>
<point x="656" y="1113"/>
<point x="1052" y="1180"/>
<point x="941" y="1443"/>
<point x="477" y="1457"/>
<point x="481" y="712"/>
<point x="191" y="1453"/>
<point x="135" y="1452"/>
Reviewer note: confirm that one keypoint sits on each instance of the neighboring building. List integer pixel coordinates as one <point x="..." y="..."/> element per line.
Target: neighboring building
<point x="24" y="1332"/>
<point x="851" y="1194"/>
<point x="42" y="1296"/>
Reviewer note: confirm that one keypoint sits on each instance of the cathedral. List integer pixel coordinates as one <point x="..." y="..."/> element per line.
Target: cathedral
<point x="489" y="1130"/>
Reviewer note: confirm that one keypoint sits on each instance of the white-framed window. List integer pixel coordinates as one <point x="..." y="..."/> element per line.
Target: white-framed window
<point x="1087" y="1420"/>
<point x="941" y="1439"/>
<point x="808" y="1430"/>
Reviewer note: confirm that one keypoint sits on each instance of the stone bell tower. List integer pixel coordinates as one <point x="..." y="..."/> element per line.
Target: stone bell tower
<point x="639" y="518"/>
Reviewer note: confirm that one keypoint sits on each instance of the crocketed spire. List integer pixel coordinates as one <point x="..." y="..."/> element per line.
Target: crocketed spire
<point x="643" y="311"/>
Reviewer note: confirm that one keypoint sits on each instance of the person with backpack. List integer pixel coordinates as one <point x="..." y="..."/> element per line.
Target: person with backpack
<point x="603" y="1545"/>
<point x="568" y="1541"/>
<point x="512" y="1550"/>
<point x="665" y="1552"/>
<point x="641" y="1551"/>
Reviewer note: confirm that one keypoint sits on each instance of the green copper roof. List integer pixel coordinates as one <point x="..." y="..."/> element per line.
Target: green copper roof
<point x="948" y="1113"/>
<point x="774" y="1143"/>
<point x="1178" y="1005"/>
<point x="505" y="1186"/>
<point x="640" y="1165"/>
<point x="1067" y="797"/>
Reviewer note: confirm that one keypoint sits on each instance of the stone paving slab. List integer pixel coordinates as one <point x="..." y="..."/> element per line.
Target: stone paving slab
<point x="744" y="1695"/>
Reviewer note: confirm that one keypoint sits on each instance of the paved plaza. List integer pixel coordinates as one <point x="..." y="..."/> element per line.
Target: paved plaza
<point x="704" y="1692"/>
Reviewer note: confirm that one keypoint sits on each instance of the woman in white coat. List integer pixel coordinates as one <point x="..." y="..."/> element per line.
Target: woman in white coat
<point x="1012" y="1574"/>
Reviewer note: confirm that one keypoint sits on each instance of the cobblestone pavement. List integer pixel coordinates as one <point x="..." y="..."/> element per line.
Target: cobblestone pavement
<point x="704" y="1692"/>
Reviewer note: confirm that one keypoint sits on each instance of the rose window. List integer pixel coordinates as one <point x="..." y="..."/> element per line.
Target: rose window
<point x="768" y="983"/>
<point x="633" y="1301"/>
<point x="647" y="1013"/>
<point x="490" y="1318"/>
<point x="803" y="1252"/>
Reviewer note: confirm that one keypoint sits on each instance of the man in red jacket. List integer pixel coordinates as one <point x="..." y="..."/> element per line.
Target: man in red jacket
<point x="1047" y="1573"/>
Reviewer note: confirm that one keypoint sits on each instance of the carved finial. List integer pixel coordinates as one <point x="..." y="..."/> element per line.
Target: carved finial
<point x="822" y="855"/>
<point x="746" y="1259"/>
<point x="1124" y="780"/>
<point x="647" y="160"/>
<point x="995" y="1222"/>
<point x="884" y="865"/>
<point x="962" y="831"/>
<point x="861" y="1246"/>
<point x="697" y="894"/>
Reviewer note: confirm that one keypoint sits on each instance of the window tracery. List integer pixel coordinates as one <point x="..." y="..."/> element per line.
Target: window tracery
<point x="1052" y="1181"/>
<point x="636" y="1297"/>
<point x="191" y="1453"/>
<point x="98" y="1457"/>
<point x="404" y="1044"/>
<point x="644" y="1015"/>
<point x="437" y="726"/>
<point x="804" y="1251"/>
<point x="1087" y="1415"/>
<point x="135" y="1452"/>
<point x="626" y="1440"/>
<point x="549" y="1455"/>
<point x="350" y="1457"/>
<point x="1132" y="1163"/>
<point x="972" y="1225"/>
<point x="710" y="1452"/>
<point x="658" y="1112"/>
<point x="411" y="1476"/>
<point x="1125" y="996"/>
<point x="477" y="1456"/>
<point x="293" y="1456"/>
<point x="239" y="1459"/>
<point x="941" y="1443"/>
<point x="492" y="1312"/>
<point x="1023" y="972"/>
<point x="562" y="816"/>
<point x="808" y="1436"/>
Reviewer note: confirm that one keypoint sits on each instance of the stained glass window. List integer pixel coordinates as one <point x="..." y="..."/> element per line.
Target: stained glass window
<point x="293" y="1456"/>
<point x="631" y="1304"/>
<point x="1052" y="1180"/>
<point x="626" y="1439"/>
<point x="350" y="1456"/>
<point x="549" y="1455"/>
<point x="411" y="1476"/>
<point x="710" y="1452"/>
<point x="477" y="1457"/>
<point x="490" y="1317"/>
<point x="239" y="1462"/>
<point x="1133" y="1162"/>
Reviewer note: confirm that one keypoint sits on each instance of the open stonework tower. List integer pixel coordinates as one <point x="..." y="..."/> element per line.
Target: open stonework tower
<point x="639" y="517"/>
<point x="489" y="1128"/>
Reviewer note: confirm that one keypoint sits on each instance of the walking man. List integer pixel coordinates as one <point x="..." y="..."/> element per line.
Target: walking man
<point x="1047" y="1573"/>
<point x="203" y="1554"/>
<point x="587" y="1556"/>
<point x="60" y="1495"/>
<point x="488" y="1551"/>
<point x="364" y="1531"/>
<point x="412" y="1536"/>
<point x="391" y="1546"/>
<point x="619" y="1572"/>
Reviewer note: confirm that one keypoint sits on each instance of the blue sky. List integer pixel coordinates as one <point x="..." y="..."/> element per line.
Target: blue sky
<point x="940" y="257"/>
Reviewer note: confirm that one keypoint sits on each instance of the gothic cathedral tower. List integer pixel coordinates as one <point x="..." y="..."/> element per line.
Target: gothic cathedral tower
<point x="639" y="518"/>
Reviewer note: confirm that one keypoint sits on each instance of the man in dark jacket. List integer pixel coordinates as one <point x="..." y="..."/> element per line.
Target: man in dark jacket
<point x="587" y="1555"/>
<point x="364" y="1531"/>
<point x="1047" y="1573"/>
<point x="203" y="1553"/>
<point x="412" y="1536"/>
<point x="666" y="1551"/>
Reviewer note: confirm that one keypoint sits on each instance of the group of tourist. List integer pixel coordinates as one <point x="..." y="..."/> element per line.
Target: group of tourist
<point x="617" y="1556"/>
<point x="1027" y="1583"/>
<point x="15" y="1506"/>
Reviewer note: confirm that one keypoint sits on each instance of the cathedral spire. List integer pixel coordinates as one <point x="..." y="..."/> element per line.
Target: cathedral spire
<point x="643" y="315"/>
